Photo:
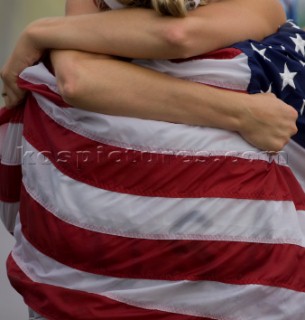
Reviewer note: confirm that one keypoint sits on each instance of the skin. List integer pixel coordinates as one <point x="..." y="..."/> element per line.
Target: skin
<point x="148" y="35"/>
<point x="99" y="76"/>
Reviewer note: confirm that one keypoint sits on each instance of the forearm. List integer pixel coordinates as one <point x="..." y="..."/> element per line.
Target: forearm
<point x="103" y="33"/>
<point x="141" y="33"/>
<point x="106" y="85"/>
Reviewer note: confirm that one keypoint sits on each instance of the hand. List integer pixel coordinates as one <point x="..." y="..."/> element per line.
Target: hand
<point x="24" y="55"/>
<point x="268" y="123"/>
<point x="11" y="93"/>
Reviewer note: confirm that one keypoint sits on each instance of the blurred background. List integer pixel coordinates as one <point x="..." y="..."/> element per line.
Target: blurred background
<point x="295" y="10"/>
<point x="14" y="16"/>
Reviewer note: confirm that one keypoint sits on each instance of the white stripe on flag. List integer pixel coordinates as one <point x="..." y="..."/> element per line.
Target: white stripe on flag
<point x="12" y="143"/>
<point x="154" y="136"/>
<point x="216" y="72"/>
<point x="40" y="75"/>
<point x="143" y="135"/>
<point x="197" y="298"/>
<point x="161" y="218"/>
<point x="8" y="213"/>
<point x="295" y="160"/>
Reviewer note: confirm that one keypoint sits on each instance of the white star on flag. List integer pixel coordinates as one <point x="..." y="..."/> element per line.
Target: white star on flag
<point x="269" y="89"/>
<point x="293" y="24"/>
<point x="288" y="77"/>
<point x="302" y="63"/>
<point x="299" y="44"/>
<point x="261" y="52"/>
<point x="303" y="107"/>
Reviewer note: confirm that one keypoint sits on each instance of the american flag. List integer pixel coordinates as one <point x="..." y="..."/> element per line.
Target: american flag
<point x="278" y="66"/>
<point x="123" y="218"/>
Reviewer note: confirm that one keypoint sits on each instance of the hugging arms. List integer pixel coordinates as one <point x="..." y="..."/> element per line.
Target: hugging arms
<point x="92" y="80"/>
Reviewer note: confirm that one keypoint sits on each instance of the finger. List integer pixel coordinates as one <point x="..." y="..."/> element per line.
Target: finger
<point x="12" y="97"/>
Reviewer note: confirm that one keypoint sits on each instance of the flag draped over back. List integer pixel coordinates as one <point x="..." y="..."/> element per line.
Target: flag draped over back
<point x="123" y="218"/>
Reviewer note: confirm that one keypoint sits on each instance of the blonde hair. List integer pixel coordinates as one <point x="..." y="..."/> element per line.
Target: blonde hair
<point x="176" y="8"/>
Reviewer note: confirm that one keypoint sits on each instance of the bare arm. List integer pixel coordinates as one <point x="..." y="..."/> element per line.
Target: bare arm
<point x="142" y="33"/>
<point x="99" y="77"/>
<point x="176" y="100"/>
<point x="119" y="88"/>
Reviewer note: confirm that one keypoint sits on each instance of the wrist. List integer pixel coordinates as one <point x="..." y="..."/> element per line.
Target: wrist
<point x="30" y="35"/>
<point x="37" y="34"/>
<point x="227" y="109"/>
<point x="248" y="118"/>
<point x="241" y="112"/>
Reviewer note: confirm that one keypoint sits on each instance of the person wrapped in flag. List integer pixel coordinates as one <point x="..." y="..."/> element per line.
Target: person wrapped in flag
<point x="183" y="222"/>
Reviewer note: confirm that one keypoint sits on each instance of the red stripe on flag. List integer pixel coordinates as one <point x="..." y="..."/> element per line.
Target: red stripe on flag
<point x="150" y="174"/>
<point x="117" y="256"/>
<point x="226" y="53"/>
<point x="60" y="303"/>
<point x="14" y="115"/>
<point x="44" y="90"/>
<point x="10" y="177"/>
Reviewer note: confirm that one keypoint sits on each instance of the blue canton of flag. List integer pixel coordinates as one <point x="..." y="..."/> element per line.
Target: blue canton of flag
<point x="278" y="65"/>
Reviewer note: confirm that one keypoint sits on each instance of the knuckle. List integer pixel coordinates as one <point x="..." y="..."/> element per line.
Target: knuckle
<point x="294" y="112"/>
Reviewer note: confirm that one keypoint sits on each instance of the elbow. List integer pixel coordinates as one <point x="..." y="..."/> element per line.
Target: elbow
<point x="68" y="91"/>
<point x="68" y="85"/>
<point x="178" y="37"/>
